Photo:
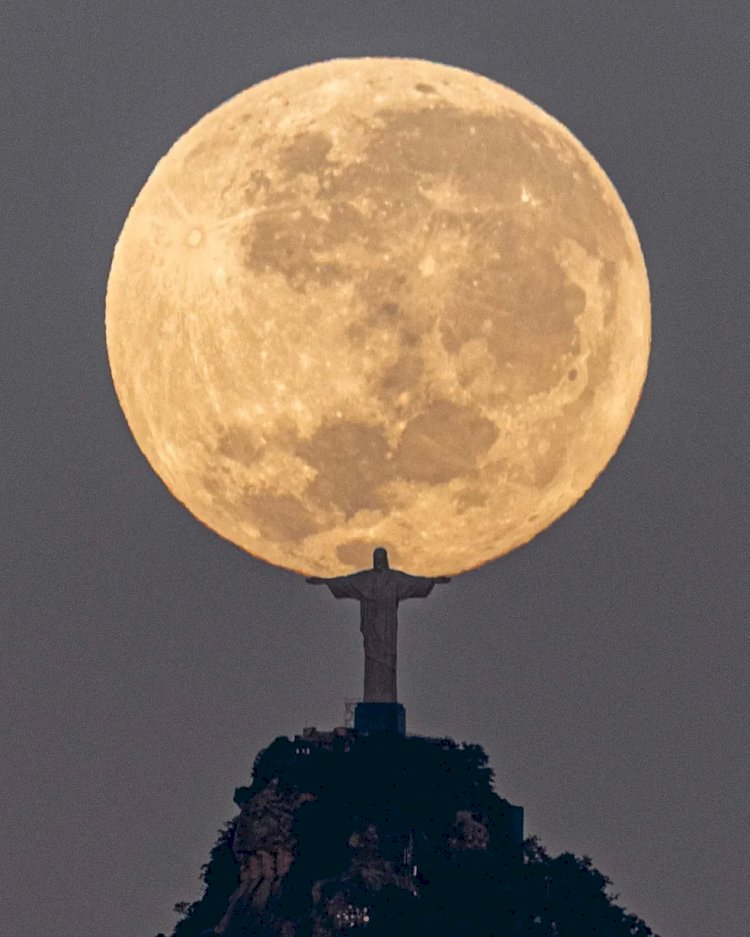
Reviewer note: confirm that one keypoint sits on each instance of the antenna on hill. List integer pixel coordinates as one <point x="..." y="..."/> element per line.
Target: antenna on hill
<point x="350" y="705"/>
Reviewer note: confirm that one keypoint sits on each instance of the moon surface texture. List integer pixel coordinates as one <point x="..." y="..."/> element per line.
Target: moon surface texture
<point x="378" y="302"/>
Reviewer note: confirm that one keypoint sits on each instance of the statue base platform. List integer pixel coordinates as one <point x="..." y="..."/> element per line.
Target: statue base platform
<point x="380" y="717"/>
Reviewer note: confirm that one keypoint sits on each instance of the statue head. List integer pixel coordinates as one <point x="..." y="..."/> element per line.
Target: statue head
<point x="380" y="558"/>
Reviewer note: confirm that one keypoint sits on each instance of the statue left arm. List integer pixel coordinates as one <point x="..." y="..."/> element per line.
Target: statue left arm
<point x="418" y="587"/>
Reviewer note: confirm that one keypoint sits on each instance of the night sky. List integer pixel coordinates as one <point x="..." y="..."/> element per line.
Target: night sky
<point x="145" y="660"/>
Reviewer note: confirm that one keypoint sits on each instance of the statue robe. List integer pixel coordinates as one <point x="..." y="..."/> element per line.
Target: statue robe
<point x="379" y="591"/>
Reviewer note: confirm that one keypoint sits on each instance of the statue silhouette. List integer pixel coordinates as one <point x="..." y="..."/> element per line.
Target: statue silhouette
<point x="379" y="590"/>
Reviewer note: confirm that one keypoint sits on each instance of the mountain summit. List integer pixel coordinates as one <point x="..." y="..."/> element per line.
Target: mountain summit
<point x="389" y="835"/>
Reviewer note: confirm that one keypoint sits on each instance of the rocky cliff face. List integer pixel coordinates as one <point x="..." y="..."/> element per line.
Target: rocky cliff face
<point x="263" y="846"/>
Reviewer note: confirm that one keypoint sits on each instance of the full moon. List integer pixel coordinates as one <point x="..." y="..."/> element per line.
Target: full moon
<point x="378" y="302"/>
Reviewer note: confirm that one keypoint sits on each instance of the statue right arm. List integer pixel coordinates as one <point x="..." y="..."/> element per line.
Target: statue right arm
<point x="342" y="587"/>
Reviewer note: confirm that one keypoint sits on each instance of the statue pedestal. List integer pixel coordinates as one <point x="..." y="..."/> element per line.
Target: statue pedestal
<point x="380" y="717"/>
<point x="515" y="818"/>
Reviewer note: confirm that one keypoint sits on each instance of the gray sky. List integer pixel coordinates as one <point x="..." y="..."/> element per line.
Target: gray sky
<point x="145" y="660"/>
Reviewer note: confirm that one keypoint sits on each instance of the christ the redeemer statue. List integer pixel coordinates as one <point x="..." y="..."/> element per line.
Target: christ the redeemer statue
<point x="379" y="591"/>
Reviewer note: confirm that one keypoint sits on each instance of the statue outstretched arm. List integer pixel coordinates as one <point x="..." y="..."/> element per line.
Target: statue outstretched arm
<point x="342" y="587"/>
<point x="418" y="587"/>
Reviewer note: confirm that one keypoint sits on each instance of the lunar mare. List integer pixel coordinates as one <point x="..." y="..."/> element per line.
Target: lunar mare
<point x="378" y="302"/>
